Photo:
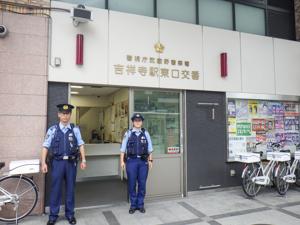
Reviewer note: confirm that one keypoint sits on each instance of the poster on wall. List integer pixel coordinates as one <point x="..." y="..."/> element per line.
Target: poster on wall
<point x="251" y="143"/>
<point x="232" y="125"/>
<point x="261" y="136"/>
<point x="279" y="122"/>
<point x="231" y="108"/>
<point x="243" y="129"/>
<point x="270" y="124"/>
<point x="258" y="124"/>
<point x="291" y="123"/>
<point x="277" y="108"/>
<point x="241" y="109"/>
<point x="265" y="122"/>
<point x="292" y="137"/>
<point x="253" y="108"/>
<point x="264" y="109"/>
<point x="291" y="109"/>
<point x="236" y="144"/>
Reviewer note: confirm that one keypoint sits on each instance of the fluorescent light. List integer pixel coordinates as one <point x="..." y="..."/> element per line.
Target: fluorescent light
<point x="76" y="86"/>
<point x="74" y="92"/>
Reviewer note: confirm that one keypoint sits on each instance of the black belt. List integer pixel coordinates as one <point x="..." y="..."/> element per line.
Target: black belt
<point x="66" y="157"/>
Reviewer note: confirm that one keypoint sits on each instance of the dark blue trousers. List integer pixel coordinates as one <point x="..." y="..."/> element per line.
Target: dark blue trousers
<point x="62" y="170"/>
<point x="137" y="173"/>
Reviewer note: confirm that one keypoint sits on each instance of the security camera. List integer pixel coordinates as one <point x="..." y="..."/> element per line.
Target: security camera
<point x="3" y="31"/>
<point x="80" y="14"/>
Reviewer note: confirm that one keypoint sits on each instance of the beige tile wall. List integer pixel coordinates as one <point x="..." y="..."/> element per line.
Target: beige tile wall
<point x="23" y="90"/>
<point x="297" y="19"/>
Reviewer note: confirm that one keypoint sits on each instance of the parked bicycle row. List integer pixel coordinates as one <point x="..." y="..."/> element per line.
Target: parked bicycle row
<point x="280" y="168"/>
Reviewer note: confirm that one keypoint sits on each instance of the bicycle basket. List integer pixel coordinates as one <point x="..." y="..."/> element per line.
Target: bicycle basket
<point x="24" y="166"/>
<point x="297" y="154"/>
<point x="247" y="157"/>
<point x="279" y="156"/>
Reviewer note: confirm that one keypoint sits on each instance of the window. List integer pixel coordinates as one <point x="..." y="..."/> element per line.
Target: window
<point x="250" y="19"/>
<point x="162" y="118"/>
<point x="281" y="24"/>
<point x="183" y="11"/>
<point x="92" y="3"/>
<point x="215" y="13"/>
<point x="140" y="7"/>
<point x="286" y="4"/>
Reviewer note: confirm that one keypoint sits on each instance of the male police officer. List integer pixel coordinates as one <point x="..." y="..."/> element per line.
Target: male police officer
<point x="63" y="143"/>
<point x="136" y="152"/>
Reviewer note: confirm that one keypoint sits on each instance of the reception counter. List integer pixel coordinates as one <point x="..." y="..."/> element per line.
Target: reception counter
<point x="102" y="161"/>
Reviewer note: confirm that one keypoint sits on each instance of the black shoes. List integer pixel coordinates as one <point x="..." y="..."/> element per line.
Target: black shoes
<point x="72" y="220"/>
<point x="142" y="210"/>
<point x="51" y="222"/>
<point x="131" y="210"/>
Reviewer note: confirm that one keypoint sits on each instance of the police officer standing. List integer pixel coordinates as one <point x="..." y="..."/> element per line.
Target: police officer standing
<point x="136" y="154"/>
<point x="63" y="144"/>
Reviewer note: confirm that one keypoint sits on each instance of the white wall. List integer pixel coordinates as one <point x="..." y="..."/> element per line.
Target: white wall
<point x="287" y="67"/>
<point x="132" y="35"/>
<point x="257" y="57"/>
<point x="182" y="42"/>
<point x="256" y="64"/>
<point x="216" y="41"/>
<point x="94" y="68"/>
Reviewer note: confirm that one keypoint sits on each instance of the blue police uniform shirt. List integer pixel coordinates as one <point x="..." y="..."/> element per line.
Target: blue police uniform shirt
<point x="51" y="132"/>
<point x="137" y="133"/>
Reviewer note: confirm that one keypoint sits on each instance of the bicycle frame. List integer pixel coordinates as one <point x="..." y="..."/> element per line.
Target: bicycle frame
<point x="291" y="177"/>
<point x="7" y="197"/>
<point x="267" y="170"/>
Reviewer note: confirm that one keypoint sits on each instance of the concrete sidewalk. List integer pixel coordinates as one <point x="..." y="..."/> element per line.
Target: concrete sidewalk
<point x="214" y="207"/>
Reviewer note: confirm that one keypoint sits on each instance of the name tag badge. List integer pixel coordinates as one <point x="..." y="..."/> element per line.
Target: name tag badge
<point x="70" y="137"/>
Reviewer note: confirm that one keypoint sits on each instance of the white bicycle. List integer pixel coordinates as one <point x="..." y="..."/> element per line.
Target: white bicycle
<point x="18" y="195"/>
<point x="293" y="172"/>
<point x="256" y="174"/>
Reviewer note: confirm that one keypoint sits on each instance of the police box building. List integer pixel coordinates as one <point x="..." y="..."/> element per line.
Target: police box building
<point x="210" y="77"/>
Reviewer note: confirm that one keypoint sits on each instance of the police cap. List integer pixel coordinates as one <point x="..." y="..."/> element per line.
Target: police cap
<point x="65" y="108"/>
<point x="137" y="116"/>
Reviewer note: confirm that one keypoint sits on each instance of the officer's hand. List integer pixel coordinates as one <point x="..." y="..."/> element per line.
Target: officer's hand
<point x="44" y="168"/>
<point x="83" y="165"/>
<point x="150" y="164"/>
<point x="122" y="165"/>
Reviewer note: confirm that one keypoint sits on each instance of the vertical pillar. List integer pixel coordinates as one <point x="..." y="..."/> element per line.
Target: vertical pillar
<point x="297" y="19"/>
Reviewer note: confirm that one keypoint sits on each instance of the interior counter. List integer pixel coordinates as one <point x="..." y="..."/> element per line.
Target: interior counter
<point x="102" y="161"/>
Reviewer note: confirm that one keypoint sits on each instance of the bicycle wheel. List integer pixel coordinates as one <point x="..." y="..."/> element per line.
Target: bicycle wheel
<point x="23" y="194"/>
<point x="249" y="187"/>
<point x="297" y="173"/>
<point x="281" y="185"/>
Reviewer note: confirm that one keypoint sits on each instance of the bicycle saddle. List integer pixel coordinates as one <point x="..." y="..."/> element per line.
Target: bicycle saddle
<point x="2" y="164"/>
<point x="285" y="150"/>
<point x="260" y="153"/>
<point x="276" y="145"/>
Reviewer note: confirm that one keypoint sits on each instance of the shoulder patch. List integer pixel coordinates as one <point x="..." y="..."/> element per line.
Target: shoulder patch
<point x="52" y="127"/>
<point x="47" y="136"/>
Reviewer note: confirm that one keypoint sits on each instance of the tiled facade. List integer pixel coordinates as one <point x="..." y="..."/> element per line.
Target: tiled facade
<point x="23" y="89"/>
<point x="297" y="19"/>
<point x="12" y="7"/>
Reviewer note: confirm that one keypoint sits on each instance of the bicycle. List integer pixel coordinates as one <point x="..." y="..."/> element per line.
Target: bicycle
<point x="255" y="174"/>
<point x="18" y="194"/>
<point x="293" y="172"/>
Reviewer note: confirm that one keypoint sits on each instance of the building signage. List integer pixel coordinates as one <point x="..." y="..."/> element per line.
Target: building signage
<point x="136" y="65"/>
